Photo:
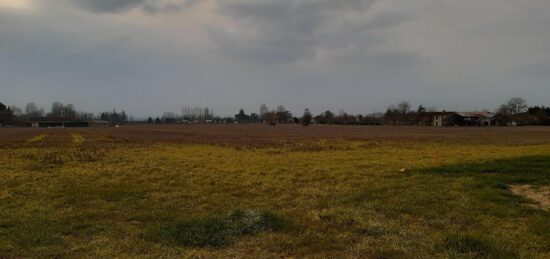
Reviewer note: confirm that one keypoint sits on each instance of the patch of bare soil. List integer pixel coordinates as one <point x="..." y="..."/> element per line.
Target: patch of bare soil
<point x="541" y="195"/>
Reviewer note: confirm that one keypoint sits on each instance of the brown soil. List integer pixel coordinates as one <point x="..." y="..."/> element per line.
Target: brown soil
<point x="259" y="135"/>
<point x="541" y="195"/>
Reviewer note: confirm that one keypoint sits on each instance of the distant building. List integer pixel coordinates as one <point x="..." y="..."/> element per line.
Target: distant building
<point x="447" y="119"/>
<point x="477" y="119"/>
<point x="53" y="123"/>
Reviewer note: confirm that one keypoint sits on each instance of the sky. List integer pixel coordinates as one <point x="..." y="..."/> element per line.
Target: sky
<point x="152" y="56"/>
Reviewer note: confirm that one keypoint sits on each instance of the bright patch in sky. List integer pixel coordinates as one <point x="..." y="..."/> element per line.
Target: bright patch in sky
<point x="15" y="4"/>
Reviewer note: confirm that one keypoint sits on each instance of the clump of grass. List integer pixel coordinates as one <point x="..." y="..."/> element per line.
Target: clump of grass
<point x="77" y="138"/>
<point x="471" y="246"/>
<point x="465" y="244"/>
<point x="198" y="232"/>
<point x="219" y="231"/>
<point x="37" y="138"/>
<point x="40" y="234"/>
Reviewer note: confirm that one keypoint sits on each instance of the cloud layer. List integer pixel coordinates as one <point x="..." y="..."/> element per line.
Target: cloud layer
<point x="153" y="6"/>
<point x="150" y="56"/>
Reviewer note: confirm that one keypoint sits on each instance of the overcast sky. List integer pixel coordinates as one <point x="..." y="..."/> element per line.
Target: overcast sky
<point x="151" y="56"/>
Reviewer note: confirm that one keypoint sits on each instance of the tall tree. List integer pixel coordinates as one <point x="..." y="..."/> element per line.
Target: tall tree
<point x="263" y="111"/>
<point x="242" y="117"/>
<point x="5" y="115"/>
<point x="283" y="115"/>
<point x="56" y="111"/>
<point x="306" y="118"/>
<point x="271" y="118"/>
<point x="31" y="109"/>
<point x="16" y="111"/>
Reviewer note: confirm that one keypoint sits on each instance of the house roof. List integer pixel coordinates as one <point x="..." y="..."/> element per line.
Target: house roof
<point x="481" y="115"/>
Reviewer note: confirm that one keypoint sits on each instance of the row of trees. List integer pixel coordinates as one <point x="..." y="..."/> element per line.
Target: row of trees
<point x="57" y="112"/>
<point x="114" y="117"/>
<point x="515" y="111"/>
<point x="403" y="114"/>
<point x="283" y="116"/>
<point x="188" y="115"/>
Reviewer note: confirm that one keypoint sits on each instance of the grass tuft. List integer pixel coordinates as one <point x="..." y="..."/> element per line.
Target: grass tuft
<point x="219" y="231"/>
<point x="472" y="246"/>
<point x="465" y="244"/>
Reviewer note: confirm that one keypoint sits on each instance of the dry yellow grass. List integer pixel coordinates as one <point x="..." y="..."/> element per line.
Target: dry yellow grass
<point x="111" y="197"/>
<point x="77" y="138"/>
<point x="37" y="138"/>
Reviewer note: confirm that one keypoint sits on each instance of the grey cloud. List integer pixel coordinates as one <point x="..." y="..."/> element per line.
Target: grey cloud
<point x="264" y="50"/>
<point x="109" y="5"/>
<point x="354" y="55"/>
<point x="531" y="70"/>
<point x="283" y="31"/>
<point x="150" y="6"/>
<point x="159" y="6"/>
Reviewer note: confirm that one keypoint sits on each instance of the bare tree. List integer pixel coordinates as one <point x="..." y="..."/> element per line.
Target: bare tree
<point x="263" y="110"/>
<point x="32" y="110"/>
<point x="271" y="118"/>
<point x="516" y="105"/>
<point x="56" y="110"/>
<point x="16" y="110"/>
<point x="404" y="107"/>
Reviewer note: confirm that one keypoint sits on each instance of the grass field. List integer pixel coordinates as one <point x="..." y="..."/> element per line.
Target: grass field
<point x="255" y="191"/>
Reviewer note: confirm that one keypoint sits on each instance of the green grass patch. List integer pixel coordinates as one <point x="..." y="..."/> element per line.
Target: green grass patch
<point x="519" y="170"/>
<point x="472" y="246"/>
<point x="43" y="236"/>
<point x="219" y="231"/>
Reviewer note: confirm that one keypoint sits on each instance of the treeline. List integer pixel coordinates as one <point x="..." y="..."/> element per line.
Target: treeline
<point x="14" y="115"/>
<point x="514" y="112"/>
<point x="281" y="115"/>
<point x="113" y="117"/>
<point x="517" y="111"/>
<point x="188" y="115"/>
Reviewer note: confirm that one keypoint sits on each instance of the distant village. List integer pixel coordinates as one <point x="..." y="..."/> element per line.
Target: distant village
<point x="515" y="112"/>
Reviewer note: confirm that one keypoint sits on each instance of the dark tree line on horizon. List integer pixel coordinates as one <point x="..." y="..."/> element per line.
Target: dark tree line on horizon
<point x="14" y="115"/>
<point x="515" y="110"/>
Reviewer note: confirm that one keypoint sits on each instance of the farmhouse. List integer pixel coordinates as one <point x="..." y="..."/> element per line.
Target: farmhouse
<point x="476" y="119"/>
<point x="49" y="123"/>
<point x="442" y="119"/>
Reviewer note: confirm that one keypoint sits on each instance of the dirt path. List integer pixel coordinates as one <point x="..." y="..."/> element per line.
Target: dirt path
<point x="541" y="195"/>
